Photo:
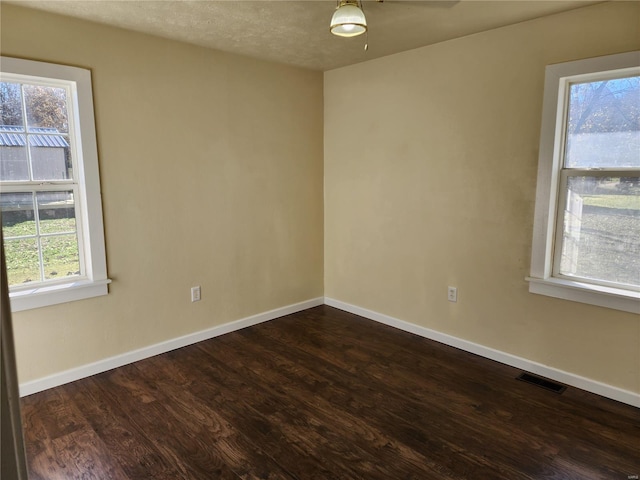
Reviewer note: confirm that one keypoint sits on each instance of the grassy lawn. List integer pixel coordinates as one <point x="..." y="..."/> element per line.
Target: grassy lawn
<point x="60" y="252"/>
<point x="627" y="202"/>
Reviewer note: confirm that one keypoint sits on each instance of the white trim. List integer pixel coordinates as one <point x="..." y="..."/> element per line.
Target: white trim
<point x="45" y="294"/>
<point x="608" y="297"/>
<point x="615" y="393"/>
<point x="110" y="363"/>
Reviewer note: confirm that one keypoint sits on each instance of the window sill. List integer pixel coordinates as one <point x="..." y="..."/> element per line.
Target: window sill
<point x="45" y="295"/>
<point x="607" y="297"/>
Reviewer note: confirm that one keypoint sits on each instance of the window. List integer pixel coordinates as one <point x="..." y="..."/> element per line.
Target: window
<point x="49" y="185"/>
<point x="586" y="244"/>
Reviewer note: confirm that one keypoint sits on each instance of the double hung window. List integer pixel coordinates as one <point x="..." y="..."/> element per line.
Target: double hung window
<point x="49" y="186"/>
<point x="586" y="244"/>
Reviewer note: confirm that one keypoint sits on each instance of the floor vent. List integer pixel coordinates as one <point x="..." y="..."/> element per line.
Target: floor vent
<point x="542" y="382"/>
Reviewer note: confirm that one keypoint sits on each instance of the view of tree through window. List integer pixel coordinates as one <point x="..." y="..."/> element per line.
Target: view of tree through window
<point x="38" y="188"/>
<point x="604" y="124"/>
<point x="601" y="223"/>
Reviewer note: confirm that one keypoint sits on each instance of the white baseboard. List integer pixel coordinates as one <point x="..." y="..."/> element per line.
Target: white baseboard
<point x="567" y="378"/>
<point x="110" y="363"/>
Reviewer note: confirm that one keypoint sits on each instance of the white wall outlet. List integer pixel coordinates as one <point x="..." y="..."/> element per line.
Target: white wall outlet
<point x="195" y="294"/>
<point x="452" y="294"/>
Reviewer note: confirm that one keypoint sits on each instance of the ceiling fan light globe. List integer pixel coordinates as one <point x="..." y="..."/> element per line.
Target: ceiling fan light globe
<point x="348" y="21"/>
<point x="348" y="30"/>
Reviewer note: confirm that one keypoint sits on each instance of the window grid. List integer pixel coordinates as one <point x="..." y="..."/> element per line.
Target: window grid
<point x="566" y="172"/>
<point x="34" y="187"/>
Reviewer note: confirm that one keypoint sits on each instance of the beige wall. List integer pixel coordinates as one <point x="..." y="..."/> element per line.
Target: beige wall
<point x="211" y="172"/>
<point x="430" y="177"/>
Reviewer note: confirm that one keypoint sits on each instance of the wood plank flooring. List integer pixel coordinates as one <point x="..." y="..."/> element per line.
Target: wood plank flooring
<point x="324" y="394"/>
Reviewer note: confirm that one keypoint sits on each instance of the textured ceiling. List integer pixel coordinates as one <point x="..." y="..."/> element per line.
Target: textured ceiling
<point x="297" y="32"/>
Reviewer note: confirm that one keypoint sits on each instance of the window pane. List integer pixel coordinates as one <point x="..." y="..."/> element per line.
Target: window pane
<point x="23" y="264"/>
<point x="604" y="124"/>
<point x="601" y="235"/>
<point x="56" y="211"/>
<point x="17" y="214"/>
<point x="13" y="152"/>
<point x="10" y="104"/>
<point x="50" y="155"/>
<point x="60" y="256"/>
<point x="46" y="108"/>
<point x="14" y="164"/>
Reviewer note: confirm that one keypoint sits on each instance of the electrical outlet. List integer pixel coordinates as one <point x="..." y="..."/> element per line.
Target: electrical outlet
<point x="452" y="294"/>
<point x="195" y="294"/>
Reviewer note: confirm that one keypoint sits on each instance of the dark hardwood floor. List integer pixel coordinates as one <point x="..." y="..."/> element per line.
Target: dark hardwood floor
<point x="324" y="394"/>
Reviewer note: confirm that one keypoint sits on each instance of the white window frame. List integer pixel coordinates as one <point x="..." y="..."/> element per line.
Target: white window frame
<point x="88" y="199"/>
<point x="549" y="194"/>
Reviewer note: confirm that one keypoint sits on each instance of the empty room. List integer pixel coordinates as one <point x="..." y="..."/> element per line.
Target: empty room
<point x="320" y="239"/>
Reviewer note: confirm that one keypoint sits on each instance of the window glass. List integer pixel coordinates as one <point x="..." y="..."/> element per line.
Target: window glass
<point x="601" y="232"/>
<point x="14" y="163"/>
<point x="10" y="104"/>
<point x="43" y="240"/>
<point x="50" y="155"/>
<point x="56" y="211"/>
<point x="60" y="256"/>
<point x="23" y="261"/>
<point x="50" y="235"/>
<point x="603" y="128"/>
<point x="18" y="218"/>
<point x="21" y="246"/>
<point x="600" y="226"/>
<point x="46" y="108"/>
